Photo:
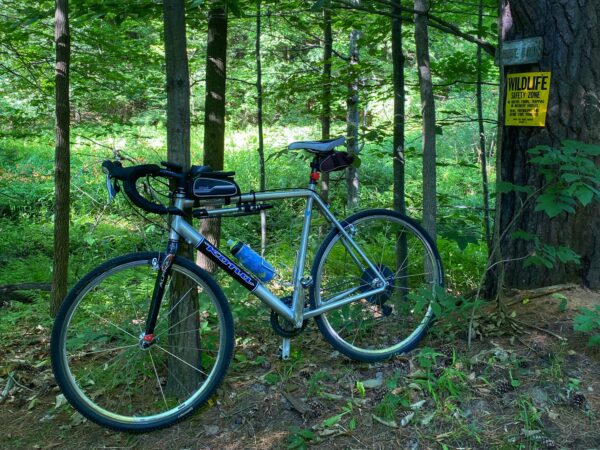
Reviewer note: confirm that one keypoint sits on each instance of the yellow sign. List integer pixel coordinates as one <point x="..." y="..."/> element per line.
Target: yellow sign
<point x="527" y="99"/>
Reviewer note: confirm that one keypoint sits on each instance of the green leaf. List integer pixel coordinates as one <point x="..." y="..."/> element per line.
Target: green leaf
<point x="584" y="195"/>
<point x="327" y="423"/>
<point x="504" y="187"/>
<point x="352" y="424"/>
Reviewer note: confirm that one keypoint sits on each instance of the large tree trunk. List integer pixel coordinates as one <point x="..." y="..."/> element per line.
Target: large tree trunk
<point x="352" y="180"/>
<point x="428" y="113"/>
<point x="572" y="53"/>
<point x="183" y="315"/>
<point x="214" y="114"/>
<point x="62" y="159"/>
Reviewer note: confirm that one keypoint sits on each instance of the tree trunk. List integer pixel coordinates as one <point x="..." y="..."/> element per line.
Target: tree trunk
<point x="428" y="113"/>
<point x="183" y="315"/>
<point x="352" y="180"/>
<point x="326" y="93"/>
<point x="62" y="159"/>
<point x="572" y="54"/>
<point x="259" y="115"/>
<point x="214" y="114"/>
<point x="482" y="149"/>
<point x="398" y="142"/>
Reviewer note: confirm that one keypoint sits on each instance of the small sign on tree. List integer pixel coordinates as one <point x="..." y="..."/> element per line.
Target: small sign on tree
<point x="527" y="99"/>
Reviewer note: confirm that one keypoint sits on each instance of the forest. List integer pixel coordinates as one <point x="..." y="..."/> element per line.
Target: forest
<point x="350" y="135"/>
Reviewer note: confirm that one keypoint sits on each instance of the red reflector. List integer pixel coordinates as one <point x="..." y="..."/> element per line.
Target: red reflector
<point x="148" y="337"/>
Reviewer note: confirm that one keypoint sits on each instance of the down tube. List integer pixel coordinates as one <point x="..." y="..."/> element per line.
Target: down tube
<point x="237" y="273"/>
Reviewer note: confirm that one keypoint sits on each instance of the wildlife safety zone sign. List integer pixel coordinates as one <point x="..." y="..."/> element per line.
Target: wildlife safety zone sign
<point x="527" y="99"/>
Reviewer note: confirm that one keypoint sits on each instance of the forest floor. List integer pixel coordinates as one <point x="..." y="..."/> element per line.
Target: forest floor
<point x="535" y="388"/>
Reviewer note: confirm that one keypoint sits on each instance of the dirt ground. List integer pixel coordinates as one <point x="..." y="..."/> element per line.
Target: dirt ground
<point x="536" y="388"/>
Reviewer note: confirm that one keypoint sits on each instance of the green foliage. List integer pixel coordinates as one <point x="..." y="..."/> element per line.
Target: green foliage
<point x="570" y="174"/>
<point x="571" y="178"/>
<point x="452" y="313"/>
<point x="588" y="321"/>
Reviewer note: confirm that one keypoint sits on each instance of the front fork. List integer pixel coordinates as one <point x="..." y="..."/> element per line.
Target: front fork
<point x="147" y="339"/>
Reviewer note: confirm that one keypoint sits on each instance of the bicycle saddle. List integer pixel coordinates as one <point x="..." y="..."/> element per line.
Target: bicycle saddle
<point x="318" y="146"/>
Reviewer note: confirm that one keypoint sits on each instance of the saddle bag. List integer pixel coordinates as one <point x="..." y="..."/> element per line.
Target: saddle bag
<point x="336" y="161"/>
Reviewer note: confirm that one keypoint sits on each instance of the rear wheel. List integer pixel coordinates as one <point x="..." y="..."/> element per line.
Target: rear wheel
<point x="392" y="321"/>
<point x="118" y="379"/>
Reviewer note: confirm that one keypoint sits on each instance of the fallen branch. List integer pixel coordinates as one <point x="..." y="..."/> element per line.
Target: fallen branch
<point x="543" y="330"/>
<point x="519" y="296"/>
<point x="7" y="288"/>
<point x="9" y="291"/>
<point x="9" y="385"/>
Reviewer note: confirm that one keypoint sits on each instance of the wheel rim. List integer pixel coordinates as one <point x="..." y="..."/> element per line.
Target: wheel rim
<point x="389" y="322"/>
<point x="113" y="375"/>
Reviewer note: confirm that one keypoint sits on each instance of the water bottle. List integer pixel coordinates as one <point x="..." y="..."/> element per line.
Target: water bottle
<point x="251" y="260"/>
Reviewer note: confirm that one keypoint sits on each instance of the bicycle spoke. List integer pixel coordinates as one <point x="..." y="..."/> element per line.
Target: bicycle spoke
<point x="113" y="324"/>
<point x="158" y="380"/>
<point x="181" y="360"/>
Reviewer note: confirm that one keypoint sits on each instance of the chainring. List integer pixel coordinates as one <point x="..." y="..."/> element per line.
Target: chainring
<point x="284" y="327"/>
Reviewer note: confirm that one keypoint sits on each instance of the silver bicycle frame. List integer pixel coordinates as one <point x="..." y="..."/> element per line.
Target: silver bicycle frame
<point x="297" y="312"/>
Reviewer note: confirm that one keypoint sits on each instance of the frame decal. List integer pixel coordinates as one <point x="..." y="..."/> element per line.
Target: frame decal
<point x="245" y="279"/>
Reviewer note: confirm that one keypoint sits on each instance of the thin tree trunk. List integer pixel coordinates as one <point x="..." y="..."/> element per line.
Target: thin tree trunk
<point x="259" y="114"/>
<point x="352" y="180"/>
<point x="184" y="314"/>
<point x="482" y="149"/>
<point x="326" y="93"/>
<point x="428" y="113"/>
<point x="62" y="164"/>
<point x="398" y="143"/>
<point x="214" y="110"/>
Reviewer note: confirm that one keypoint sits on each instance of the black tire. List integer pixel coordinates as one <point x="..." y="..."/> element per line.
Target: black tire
<point x="98" y="361"/>
<point x="377" y="327"/>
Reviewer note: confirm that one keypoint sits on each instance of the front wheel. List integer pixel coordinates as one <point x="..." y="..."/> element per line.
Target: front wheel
<point x="380" y="325"/>
<point x="115" y="378"/>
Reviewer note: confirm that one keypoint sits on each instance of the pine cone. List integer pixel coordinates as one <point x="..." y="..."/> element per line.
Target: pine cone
<point x="379" y="394"/>
<point x="478" y="367"/>
<point x="544" y="441"/>
<point x="316" y="409"/>
<point x="578" y="400"/>
<point x="447" y="350"/>
<point x="502" y="387"/>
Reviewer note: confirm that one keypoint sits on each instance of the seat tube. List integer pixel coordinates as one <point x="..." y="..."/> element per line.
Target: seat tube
<point x="298" y="296"/>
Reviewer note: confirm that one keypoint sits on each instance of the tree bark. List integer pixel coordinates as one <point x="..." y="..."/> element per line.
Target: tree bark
<point x="399" y="113"/>
<point x="214" y="118"/>
<point x="572" y="54"/>
<point x="428" y="113"/>
<point x="482" y="146"/>
<point x="398" y="143"/>
<point x="259" y="116"/>
<point x="184" y="314"/>
<point x="62" y="158"/>
<point x="352" y="180"/>
<point x="326" y="92"/>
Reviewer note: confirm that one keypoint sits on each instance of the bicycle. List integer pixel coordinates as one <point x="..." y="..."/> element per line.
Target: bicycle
<point x="145" y="339"/>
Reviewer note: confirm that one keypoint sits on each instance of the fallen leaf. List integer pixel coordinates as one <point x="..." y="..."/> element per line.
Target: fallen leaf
<point x="387" y="423"/>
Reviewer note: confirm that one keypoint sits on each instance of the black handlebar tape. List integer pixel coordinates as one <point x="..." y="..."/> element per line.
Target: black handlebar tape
<point x="129" y="176"/>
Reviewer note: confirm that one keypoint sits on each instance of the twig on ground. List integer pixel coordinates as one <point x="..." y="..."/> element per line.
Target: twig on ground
<point x="9" y="384"/>
<point x="543" y="330"/>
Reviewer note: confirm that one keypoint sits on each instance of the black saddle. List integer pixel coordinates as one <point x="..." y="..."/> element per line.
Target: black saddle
<point x="325" y="146"/>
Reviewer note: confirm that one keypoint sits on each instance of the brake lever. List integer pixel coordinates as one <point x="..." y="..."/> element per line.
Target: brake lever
<point x="111" y="188"/>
